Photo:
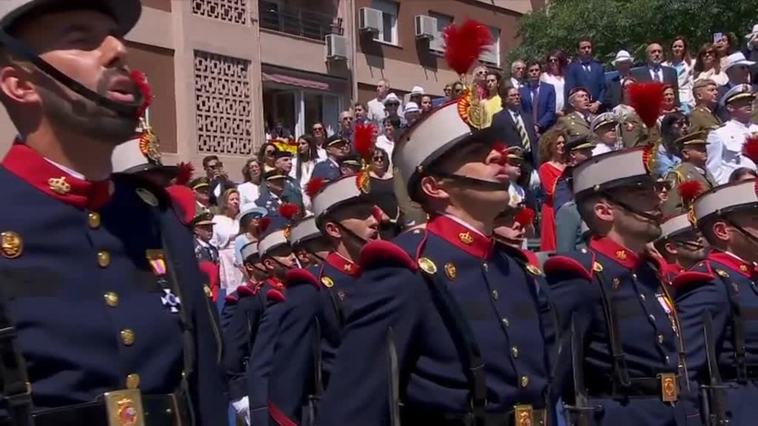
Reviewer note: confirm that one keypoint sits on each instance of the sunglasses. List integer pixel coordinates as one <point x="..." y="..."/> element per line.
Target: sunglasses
<point x="347" y="118"/>
<point x="269" y="152"/>
<point x="318" y="129"/>
<point x="380" y="158"/>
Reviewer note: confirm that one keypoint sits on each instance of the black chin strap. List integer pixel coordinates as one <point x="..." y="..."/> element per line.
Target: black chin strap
<point x="753" y="239"/>
<point x="473" y="183"/>
<point x="21" y="50"/>
<point x="627" y="207"/>
<point x="352" y="234"/>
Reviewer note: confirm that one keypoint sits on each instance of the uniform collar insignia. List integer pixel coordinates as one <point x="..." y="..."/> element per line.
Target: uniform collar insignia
<point x="462" y="236"/>
<point x="343" y="265"/>
<point x="615" y="251"/>
<point x="32" y="168"/>
<point x="732" y="262"/>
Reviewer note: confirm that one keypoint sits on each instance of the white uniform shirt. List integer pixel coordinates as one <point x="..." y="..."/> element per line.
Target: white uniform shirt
<point x="725" y="149"/>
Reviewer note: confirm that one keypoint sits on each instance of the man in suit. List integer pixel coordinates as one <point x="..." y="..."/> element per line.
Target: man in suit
<point x="654" y="71"/>
<point x="613" y="90"/>
<point x="588" y="73"/>
<point x="515" y="127"/>
<point x="538" y="99"/>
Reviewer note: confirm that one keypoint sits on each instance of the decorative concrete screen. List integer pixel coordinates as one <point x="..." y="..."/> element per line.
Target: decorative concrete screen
<point x="223" y="104"/>
<point x="233" y="11"/>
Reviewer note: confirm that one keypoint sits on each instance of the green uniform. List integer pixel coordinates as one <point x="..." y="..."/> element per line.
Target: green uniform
<point x="682" y="173"/>
<point x="575" y="124"/>
<point x="702" y="118"/>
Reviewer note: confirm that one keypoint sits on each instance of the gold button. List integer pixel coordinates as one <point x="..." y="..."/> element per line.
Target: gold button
<point x="111" y="299"/>
<point x="103" y="258"/>
<point x="506" y="322"/>
<point x="127" y="336"/>
<point x="132" y="381"/>
<point x="524" y="381"/>
<point x="514" y="352"/>
<point x="93" y="220"/>
<point x="494" y="295"/>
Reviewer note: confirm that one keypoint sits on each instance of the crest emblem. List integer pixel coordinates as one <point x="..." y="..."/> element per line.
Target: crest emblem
<point x="451" y="271"/>
<point x="471" y="110"/>
<point x="466" y="238"/>
<point x="363" y="182"/>
<point x="533" y="269"/>
<point x="171" y="301"/>
<point x="149" y="146"/>
<point x="287" y="232"/>
<point x="621" y="255"/>
<point x="11" y="244"/>
<point x="127" y="413"/>
<point x="59" y="185"/>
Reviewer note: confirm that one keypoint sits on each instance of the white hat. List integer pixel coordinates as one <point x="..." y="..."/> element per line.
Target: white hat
<point x="417" y="90"/>
<point x="736" y="58"/>
<point x="249" y="249"/>
<point x="738" y="91"/>
<point x="603" y="119"/>
<point x="305" y="230"/>
<point x="338" y="192"/>
<point x="392" y="97"/>
<point x="411" y="107"/>
<point x="617" y="168"/>
<point x="275" y="235"/>
<point x="726" y="198"/>
<point x="126" y="13"/>
<point x="137" y="155"/>
<point x="676" y="225"/>
<point x="623" y="56"/>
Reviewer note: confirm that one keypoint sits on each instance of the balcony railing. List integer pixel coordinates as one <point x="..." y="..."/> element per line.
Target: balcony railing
<point x="303" y="23"/>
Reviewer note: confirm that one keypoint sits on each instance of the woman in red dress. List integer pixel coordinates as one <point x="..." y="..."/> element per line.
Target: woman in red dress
<point x="553" y="163"/>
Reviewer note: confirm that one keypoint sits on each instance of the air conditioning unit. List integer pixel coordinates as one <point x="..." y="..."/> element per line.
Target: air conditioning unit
<point x="336" y="47"/>
<point x="426" y="27"/>
<point x="370" y="20"/>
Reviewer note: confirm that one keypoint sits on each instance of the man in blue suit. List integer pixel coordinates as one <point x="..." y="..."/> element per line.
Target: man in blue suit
<point x="538" y="98"/>
<point x="515" y="127"/>
<point x="588" y="73"/>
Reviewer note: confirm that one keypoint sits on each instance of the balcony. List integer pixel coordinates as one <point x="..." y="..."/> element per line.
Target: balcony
<point x="298" y="22"/>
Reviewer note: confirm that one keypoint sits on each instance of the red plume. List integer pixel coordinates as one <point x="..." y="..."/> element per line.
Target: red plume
<point x="647" y="100"/>
<point x="314" y="186"/>
<point x="140" y="80"/>
<point x="363" y="136"/>
<point x="525" y="216"/>
<point x="289" y="210"/>
<point x="689" y="190"/>
<point x="750" y="148"/>
<point x="185" y="173"/>
<point x="263" y="224"/>
<point x="464" y="43"/>
<point x="183" y="199"/>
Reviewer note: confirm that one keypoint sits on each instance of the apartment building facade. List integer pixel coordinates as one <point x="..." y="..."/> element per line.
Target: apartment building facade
<point x="225" y="72"/>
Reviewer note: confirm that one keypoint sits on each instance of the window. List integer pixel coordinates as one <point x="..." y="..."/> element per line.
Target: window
<point x="492" y="55"/>
<point x="438" y="43"/>
<point x="388" y="28"/>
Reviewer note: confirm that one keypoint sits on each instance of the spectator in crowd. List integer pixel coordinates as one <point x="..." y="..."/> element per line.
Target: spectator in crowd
<point x="283" y="162"/>
<point x="604" y="130"/>
<point x="577" y="121"/>
<point x="200" y="187"/>
<point x="553" y="157"/>
<point x="515" y="126"/>
<point x="392" y="108"/>
<point x="346" y="125"/>
<point x="350" y="164"/>
<point x="375" y="106"/>
<point x="492" y="101"/>
<point x="318" y="133"/>
<point x="416" y="93"/>
<point x="218" y="180"/>
<point x="386" y="141"/>
<point x="278" y="188"/>
<point x="673" y="127"/>
<point x="479" y="73"/>
<point x="613" y="85"/>
<point x="448" y="91"/>
<point x="518" y="71"/>
<point x="669" y="101"/>
<point x="555" y="67"/>
<point x="751" y="52"/>
<point x="587" y="73"/>
<point x="305" y="160"/>
<point x="725" y="143"/>
<point x="508" y="230"/>
<point x="267" y="156"/>
<point x="458" y="89"/>
<point x="568" y="223"/>
<point x="359" y="113"/>
<point x="742" y="173"/>
<point x="514" y="162"/>
<point x="654" y="70"/>
<point x="278" y="131"/>
<point x="337" y="148"/>
<point x="707" y="66"/>
<point x="248" y="189"/>
<point x="538" y="98"/>
<point x="691" y="149"/>
<point x="702" y="117"/>
<point x="725" y="44"/>
<point x="202" y="229"/>
<point x="225" y="230"/>
<point x="426" y="104"/>
<point x="383" y="191"/>
<point x="682" y="63"/>
<point x="737" y="69"/>
<point x="412" y="113"/>
<point x="249" y="222"/>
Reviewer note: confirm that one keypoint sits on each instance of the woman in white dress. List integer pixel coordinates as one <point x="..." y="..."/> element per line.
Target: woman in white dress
<point x="249" y="189"/>
<point x="225" y="230"/>
<point x="555" y="65"/>
<point x="708" y="66"/>
<point x="683" y="64"/>
<point x="302" y="165"/>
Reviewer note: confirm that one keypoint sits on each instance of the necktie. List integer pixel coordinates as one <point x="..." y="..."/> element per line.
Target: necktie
<point x="522" y="132"/>
<point x="657" y="74"/>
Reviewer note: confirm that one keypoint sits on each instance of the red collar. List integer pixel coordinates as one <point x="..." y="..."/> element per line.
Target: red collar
<point x="461" y="236"/>
<point x="622" y="255"/>
<point x="275" y="283"/>
<point x="732" y="262"/>
<point x="343" y="265"/>
<point x="32" y="168"/>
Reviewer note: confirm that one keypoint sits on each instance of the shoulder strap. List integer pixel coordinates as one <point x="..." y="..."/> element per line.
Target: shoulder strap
<point x="738" y="327"/>
<point x="394" y="379"/>
<point x="464" y="341"/>
<point x="620" y="372"/>
<point x="14" y="381"/>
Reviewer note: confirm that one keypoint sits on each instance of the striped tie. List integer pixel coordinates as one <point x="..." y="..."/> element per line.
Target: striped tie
<point x="522" y="132"/>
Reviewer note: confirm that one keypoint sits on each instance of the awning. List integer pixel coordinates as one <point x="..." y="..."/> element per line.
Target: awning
<point x="295" y="81"/>
<point x="305" y="80"/>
